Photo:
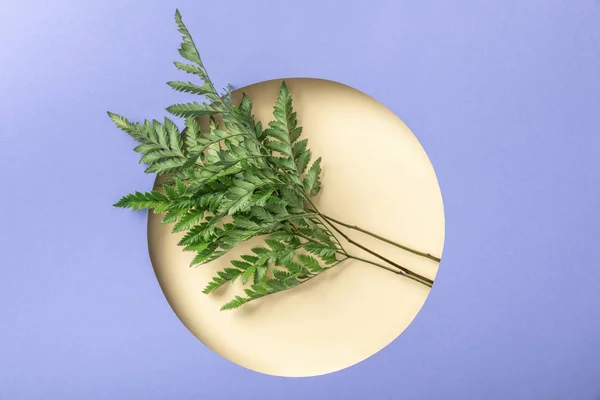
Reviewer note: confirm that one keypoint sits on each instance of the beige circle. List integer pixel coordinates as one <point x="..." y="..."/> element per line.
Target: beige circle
<point x="375" y="175"/>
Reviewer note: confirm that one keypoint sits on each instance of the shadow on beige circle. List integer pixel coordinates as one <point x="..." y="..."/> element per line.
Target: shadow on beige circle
<point x="375" y="175"/>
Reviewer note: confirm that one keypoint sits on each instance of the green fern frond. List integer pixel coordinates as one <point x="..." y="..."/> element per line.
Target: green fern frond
<point x="227" y="275"/>
<point x="189" y="87"/>
<point x="234" y="182"/>
<point x="312" y="180"/>
<point x="310" y="263"/>
<point x="235" y="303"/>
<point x="194" y="109"/>
<point x="188" y="220"/>
<point x="160" y="145"/>
<point x="143" y="201"/>
<point x="188" y="46"/>
<point x="190" y="69"/>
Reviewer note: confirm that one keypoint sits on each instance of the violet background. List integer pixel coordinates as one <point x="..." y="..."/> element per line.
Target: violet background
<point x="503" y="95"/>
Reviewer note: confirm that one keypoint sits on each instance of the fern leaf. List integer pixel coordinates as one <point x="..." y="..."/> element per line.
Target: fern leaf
<point x="160" y="154"/>
<point x="246" y="223"/>
<point x="188" y="48"/>
<point x="158" y="132"/>
<point x="261" y="271"/>
<point x="155" y="156"/>
<point x="241" y="264"/>
<point x="174" y="136"/>
<point x="293" y="267"/>
<point x="227" y="275"/>
<point x="172" y="216"/>
<point x="319" y="234"/>
<point x="203" y="256"/>
<point x="192" y="133"/>
<point x="284" y="236"/>
<point x="194" y="109"/>
<point x="188" y="220"/>
<point x="248" y="273"/>
<point x="299" y="147"/>
<point x="235" y="303"/>
<point x="249" y="258"/>
<point x="276" y="285"/>
<point x="312" y="180"/>
<point x="310" y="263"/>
<point x="141" y="201"/>
<point x="282" y="276"/>
<point x="190" y="69"/>
<point x="285" y="132"/>
<point x="280" y="147"/>
<point x="326" y="253"/>
<point x="302" y="161"/>
<point x="275" y="245"/>
<point x="260" y="251"/>
<point x="165" y="166"/>
<point x="122" y="123"/>
<point x="189" y="87"/>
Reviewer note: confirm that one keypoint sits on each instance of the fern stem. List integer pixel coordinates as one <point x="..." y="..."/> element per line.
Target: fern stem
<point x="405" y="271"/>
<point x="343" y="252"/>
<point x="395" y="271"/>
<point x="415" y="277"/>
<point x="357" y="228"/>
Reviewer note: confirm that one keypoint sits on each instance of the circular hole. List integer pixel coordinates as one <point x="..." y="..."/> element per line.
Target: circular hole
<point x="375" y="175"/>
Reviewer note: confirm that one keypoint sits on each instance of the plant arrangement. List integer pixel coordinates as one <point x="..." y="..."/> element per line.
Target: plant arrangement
<point x="239" y="180"/>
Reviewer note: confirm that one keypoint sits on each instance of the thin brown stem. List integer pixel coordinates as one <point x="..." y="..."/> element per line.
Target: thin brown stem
<point x="425" y="282"/>
<point x="357" y="228"/>
<point x="405" y="271"/>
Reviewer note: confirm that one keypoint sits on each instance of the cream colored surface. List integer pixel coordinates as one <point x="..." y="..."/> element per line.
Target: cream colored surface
<point x="375" y="175"/>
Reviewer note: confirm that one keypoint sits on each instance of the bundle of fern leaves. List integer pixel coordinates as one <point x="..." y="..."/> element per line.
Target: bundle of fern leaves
<point x="239" y="180"/>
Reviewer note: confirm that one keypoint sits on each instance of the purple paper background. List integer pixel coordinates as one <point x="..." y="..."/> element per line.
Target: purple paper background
<point x="503" y="95"/>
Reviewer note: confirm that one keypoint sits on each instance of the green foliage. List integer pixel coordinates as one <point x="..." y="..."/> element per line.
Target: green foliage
<point x="160" y="144"/>
<point x="141" y="201"/>
<point x="233" y="182"/>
